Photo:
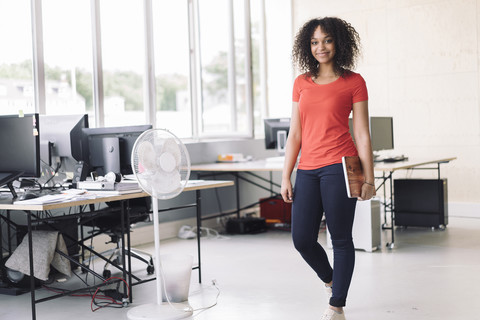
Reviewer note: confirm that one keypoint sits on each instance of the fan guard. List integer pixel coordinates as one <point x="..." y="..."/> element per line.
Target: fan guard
<point x="161" y="163"/>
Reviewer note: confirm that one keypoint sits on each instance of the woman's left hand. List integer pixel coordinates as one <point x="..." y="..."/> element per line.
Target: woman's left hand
<point x="368" y="191"/>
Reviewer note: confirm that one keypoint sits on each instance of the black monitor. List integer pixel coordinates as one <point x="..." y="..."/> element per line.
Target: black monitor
<point x="276" y="132"/>
<point x="381" y="132"/>
<point x="19" y="147"/>
<point x="60" y="139"/>
<point x="109" y="149"/>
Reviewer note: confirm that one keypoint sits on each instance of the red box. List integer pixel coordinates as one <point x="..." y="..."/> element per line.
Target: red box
<point x="276" y="209"/>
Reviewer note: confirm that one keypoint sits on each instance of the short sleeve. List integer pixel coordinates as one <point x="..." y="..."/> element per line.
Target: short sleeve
<point x="296" y="90"/>
<point x="359" y="92"/>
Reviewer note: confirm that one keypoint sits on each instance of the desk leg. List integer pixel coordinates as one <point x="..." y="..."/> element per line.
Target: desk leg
<point x="9" y="233"/>
<point x="82" y="255"/>
<point x="385" y="201"/>
<point x="122" y="232"/>
<point x="237" y="193"/>
<point x="389" y="207"/>
<point x="129" y="250"/>
<point x="199" y="226"/>
<point x="30" y="256"/>
<point x="392" y="215"/>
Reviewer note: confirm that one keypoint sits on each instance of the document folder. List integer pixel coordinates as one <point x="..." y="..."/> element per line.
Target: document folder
<point x="354" y="177"/>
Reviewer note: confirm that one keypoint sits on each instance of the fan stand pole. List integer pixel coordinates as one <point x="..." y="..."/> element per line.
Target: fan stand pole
<point x="159" y="310"/>
<point x="156" y="235"/>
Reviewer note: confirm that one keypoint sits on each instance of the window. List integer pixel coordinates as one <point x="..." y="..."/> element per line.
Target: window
<point x="279" y="63"/>
<point x="224" y="82"/>
<point x="258" y="64"/>
<point x="67" y="46"/>
<point x="215" y="105"/>
<point x="16" y="73"/>
<point x="123" y="61"/>
<point x="216" y="72"/>
<point x="172" y="70"/>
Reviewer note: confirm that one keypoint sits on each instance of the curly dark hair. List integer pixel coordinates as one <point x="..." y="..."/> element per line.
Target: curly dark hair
<point x="346" y="39"/>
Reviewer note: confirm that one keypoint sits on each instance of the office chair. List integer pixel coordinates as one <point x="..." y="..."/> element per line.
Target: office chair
<point x="107" y="221"/>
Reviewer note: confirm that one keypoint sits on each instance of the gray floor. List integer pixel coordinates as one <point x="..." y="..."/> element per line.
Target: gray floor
<point x="428" y="275"/>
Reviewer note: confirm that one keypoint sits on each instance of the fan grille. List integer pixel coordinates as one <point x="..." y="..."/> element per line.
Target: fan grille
<point x="161" y="163"/>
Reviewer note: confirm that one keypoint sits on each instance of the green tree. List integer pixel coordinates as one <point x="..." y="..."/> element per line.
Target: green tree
<point x="168" y="86"/>
<point x="126" y="84"/>
<point x="21" y="71"/>
<point x="84" y="86"/>
<point x="215" y="77"/>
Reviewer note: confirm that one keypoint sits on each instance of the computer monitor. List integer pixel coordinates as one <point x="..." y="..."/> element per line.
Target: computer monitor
<point x="60" y="139"/>
<point x="276" y="132"/>
<point x="381" y="129"/>
<point x="19" y="147"/>
<point x="109" y="149"/>
<point x="381" y="132"/>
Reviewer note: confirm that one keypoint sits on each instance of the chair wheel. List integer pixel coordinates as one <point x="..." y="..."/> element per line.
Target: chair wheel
<point x="150" y="269"/>
<point x="107" y="273"/>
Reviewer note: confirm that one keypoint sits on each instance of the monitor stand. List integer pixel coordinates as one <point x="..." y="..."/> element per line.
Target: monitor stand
<point x="7" y="178"/>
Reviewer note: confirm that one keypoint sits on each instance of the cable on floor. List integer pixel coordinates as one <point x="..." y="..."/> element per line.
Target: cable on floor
<point x="200" y="310"/>
<point x="112" y="301"/>
<point x="210" y="233"/>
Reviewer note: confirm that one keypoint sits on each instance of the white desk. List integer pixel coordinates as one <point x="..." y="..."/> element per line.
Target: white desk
<point x="30" y="209"/>
<point x="244" y="171"/>
<point x="386" y="169"/>
<point x="264" y="165"/>
<point x="412" y="163"/>
<point x="246" y="166"/>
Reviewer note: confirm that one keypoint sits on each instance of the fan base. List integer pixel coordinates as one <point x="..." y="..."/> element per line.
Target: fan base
<point x="160" y="311"/>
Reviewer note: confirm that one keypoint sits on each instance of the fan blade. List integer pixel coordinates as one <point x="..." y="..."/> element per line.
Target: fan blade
<point x="165" y="182"/>
<point x="146" y="156"/>
<point x="171" y="146"/>
<point x="167" y="162"/>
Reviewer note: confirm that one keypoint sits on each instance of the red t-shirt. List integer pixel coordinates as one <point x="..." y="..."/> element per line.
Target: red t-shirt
<point x="324" y="111"/>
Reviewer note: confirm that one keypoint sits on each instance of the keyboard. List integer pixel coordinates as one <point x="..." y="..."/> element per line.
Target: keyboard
<point x="393" y="159"/>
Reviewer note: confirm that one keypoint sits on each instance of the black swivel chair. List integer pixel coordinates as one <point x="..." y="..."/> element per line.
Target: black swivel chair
<point x="107" y="221"/>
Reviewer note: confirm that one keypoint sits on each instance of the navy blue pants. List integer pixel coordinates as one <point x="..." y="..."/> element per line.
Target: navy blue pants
<point x="323" y="191"/>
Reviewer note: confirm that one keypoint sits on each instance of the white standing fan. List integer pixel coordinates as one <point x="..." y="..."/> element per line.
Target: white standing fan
<point x="161" y="164"/>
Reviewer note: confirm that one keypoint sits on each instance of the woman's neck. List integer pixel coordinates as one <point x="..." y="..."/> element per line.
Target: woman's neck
<point x="326" y="71"/>
<point x="325" y="75"/>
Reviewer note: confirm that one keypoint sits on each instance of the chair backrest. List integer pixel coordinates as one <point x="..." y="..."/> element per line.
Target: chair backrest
<point x="109" y="220"/>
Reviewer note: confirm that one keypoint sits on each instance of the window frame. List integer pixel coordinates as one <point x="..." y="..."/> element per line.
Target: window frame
<point x="195" y="81"/>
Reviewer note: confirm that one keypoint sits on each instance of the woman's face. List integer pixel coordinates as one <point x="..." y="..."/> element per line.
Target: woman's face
<point x="322" y="46"/>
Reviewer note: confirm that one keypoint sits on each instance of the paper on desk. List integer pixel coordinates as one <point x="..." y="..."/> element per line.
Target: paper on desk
<point x="194" y="182"/>
<point x="68" y="195"/>
<point x="104" y="193"/>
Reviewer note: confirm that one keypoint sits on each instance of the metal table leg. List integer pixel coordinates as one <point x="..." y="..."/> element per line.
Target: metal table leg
<point x="199" y="226"/>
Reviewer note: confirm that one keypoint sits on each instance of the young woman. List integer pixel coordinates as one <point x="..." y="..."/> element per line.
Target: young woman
<point x="323" y="98"/>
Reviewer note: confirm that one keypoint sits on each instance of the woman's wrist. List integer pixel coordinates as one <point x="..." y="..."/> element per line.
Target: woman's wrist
<point x="370" y="184"/>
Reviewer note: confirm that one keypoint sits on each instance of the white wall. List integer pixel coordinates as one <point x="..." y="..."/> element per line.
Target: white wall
<point x="421" y="64"/>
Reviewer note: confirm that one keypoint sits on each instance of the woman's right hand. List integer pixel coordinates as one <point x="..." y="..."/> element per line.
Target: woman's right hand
<point x="286" y="191"/>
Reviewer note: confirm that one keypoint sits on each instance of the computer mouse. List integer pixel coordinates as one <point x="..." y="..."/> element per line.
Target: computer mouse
<point x="27" y="196"/>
